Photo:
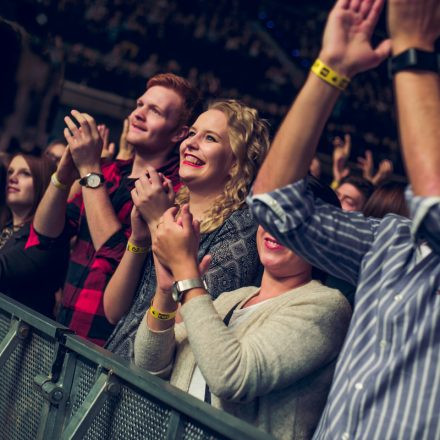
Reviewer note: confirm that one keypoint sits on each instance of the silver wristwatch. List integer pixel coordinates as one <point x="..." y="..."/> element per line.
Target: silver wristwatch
<point x="92" y="180"/>
<point x="180" y="287"/>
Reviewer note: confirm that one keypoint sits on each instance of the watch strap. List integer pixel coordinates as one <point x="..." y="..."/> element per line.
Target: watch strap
<point x="414" y="59"/>
<point x="182" y="286"/>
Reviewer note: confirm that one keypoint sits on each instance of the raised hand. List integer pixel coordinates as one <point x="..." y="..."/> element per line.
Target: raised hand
<point x="140" y="233"/>
<point x="346" y="43"/>
<point x="383" y="172"/>
<point x="126" y="150"/>
<point x="108" y="148"/>
<point x="165" y="278"/>
<point x="366" y="164"/>
<point x="341" y="153"/>
<point x="152" y="196"/>
<point x="176" y="241"/>
<point x="84" y="141"/>
<point x="66" y="170"/>
<point x="413" y="23"/>
<point x="175" y="247"/>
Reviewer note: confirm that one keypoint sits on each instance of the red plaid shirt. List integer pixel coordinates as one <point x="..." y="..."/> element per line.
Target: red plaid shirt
<point x="89" y="270"/>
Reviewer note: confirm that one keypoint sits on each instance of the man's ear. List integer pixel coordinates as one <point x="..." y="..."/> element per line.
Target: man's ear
<point x="180" y="134"/>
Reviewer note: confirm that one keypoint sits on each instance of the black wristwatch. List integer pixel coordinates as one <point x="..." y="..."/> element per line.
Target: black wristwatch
<point x="180" y="287"/>
<point x="92" y="180"/>
<point x="414" y="59"/>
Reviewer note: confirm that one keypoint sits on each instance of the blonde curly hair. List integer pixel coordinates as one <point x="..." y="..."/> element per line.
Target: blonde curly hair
<point x="249" y="140"/>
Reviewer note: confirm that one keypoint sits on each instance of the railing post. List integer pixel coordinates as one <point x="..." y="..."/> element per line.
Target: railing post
<point x="105" y="387"/>
<point x="56" y="389"/>
<point x="175" y="426"/>
<point x="17" y="333"/>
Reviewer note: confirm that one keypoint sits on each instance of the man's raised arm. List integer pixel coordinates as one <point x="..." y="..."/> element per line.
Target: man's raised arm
<point x="85" y="144"/>
<point x="416" y="24"/>
<point x="81" y="156"/>
<point x="346" y="50"/>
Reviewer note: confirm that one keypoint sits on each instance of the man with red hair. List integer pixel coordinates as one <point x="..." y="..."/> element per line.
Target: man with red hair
<point x="99" y="215"/>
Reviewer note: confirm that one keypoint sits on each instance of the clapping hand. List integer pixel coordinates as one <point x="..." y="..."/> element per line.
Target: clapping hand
<point x="66" y="170"/>
<point x="85" y="142"/>
<point x="126" y="150"/>
<point x="152" y="195"/>
<point x="108" y="148"/>
<point x="176" y="241"/>
<point x="139" y="229"/>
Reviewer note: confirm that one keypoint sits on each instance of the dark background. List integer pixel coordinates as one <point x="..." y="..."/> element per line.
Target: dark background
<point x="257" y="51"/>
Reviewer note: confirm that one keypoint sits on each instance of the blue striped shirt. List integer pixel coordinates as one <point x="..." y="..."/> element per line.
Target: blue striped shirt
<point x="387" y="379"/>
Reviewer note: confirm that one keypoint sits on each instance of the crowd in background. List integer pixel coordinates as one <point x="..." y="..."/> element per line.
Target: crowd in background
<point x="219" y="47"/>
<point x="192" y="217"/>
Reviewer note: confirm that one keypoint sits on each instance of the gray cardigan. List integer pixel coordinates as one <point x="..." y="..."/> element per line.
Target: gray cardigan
<point x="273" y="370"/>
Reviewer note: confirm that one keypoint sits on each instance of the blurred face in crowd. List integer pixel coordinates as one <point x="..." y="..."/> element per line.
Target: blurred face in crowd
<point x="315" y="168"/>
<point x="55" y="151"/>
<point x="277" y="259"/>
<point x="206" y="156"/>
<point x="20" y="184"/>
<point x="350" y="197"/>
<point x="154" y="122"/>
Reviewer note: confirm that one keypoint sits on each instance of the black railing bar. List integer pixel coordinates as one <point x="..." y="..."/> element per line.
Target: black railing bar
<point x="51" y="328"/>
<point x="220" y="421"/>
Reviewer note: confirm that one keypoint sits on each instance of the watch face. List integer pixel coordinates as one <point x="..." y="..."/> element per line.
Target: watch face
<point x="93" y="181"/>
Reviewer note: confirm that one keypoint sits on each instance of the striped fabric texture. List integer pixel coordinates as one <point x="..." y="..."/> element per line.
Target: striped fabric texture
<point x="387" y="379"/>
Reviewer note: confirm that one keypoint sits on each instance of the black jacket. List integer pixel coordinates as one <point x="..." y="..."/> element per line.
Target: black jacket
<point x="32" y="275"/>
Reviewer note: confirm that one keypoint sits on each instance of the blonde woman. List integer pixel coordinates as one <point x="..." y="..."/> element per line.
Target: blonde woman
<point x="218" y="163"/>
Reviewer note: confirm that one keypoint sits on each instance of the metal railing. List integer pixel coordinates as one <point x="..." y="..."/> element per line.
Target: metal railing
<point x="55" y="385"/>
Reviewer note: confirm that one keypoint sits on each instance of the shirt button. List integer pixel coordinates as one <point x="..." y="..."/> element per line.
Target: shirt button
<point x="383" y="343"/>
<point x="398" y="297"/>
<point x="345" y="436"/>
<point x="358" y="386"/>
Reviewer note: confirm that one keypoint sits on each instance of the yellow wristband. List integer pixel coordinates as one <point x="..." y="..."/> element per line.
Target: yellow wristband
<point x="334" y="184"/>
<point x="162" y="316"/>
<point x="327" y="74"/>
<point x="136" y="249"/>
<point x="55" y="182"/>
